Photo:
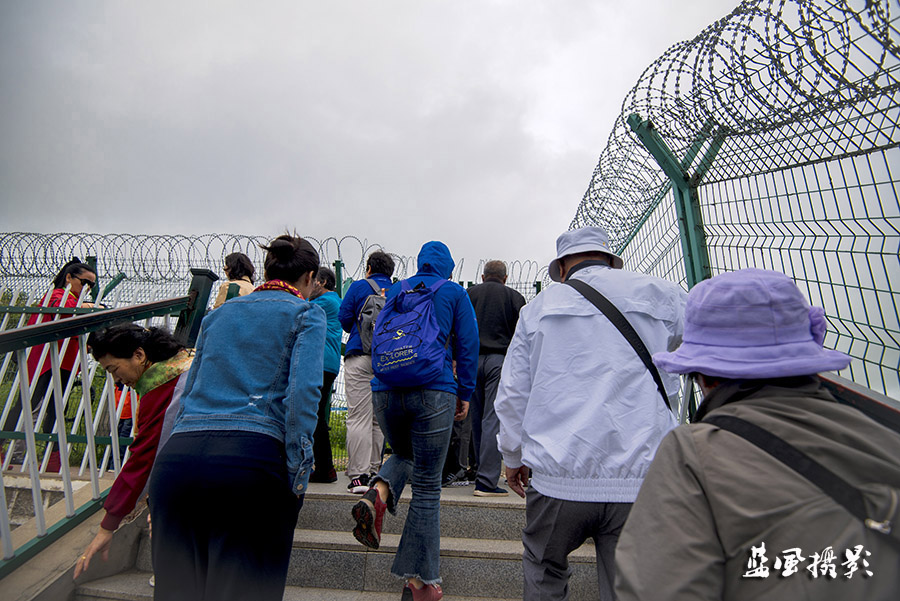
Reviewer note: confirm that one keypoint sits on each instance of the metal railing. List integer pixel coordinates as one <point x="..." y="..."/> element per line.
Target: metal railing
<point x="82" y="436"/>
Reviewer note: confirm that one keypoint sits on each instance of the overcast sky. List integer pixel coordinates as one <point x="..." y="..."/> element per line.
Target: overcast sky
<point x="475" y="123"/>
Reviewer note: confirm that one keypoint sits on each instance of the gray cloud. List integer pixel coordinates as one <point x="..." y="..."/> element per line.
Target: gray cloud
<point x="477" y="123"/>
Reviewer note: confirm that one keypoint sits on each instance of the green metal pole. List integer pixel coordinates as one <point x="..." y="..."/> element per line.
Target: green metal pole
<point x="188" y="327"/>
<point x="687" y="206"/>
<point x="95" y="290"/>
<point x="338" y="268"/>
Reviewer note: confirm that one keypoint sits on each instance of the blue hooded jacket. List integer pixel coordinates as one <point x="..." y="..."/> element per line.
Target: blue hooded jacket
<point x="454" y="313"/>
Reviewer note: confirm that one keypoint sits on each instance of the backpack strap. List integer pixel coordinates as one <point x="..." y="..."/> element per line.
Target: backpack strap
<point x="844" y="493"/>
<point x="374" y="285"/>
<point x="615" y="316"/>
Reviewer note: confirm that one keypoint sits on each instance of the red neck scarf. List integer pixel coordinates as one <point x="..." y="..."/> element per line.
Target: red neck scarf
<point x="279" y="285"/>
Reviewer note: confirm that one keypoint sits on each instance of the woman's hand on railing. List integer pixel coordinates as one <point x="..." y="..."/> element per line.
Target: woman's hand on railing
<point x="100" y="544"/>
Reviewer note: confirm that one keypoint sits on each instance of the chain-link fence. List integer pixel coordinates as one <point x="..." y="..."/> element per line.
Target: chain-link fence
<point x="783" y="117"/>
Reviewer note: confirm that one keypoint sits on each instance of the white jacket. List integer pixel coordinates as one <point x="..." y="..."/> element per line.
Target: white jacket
<point x="575" y="403"/>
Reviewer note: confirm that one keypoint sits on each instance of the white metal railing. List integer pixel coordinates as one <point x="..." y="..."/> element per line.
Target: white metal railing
<point x="88" y="417"/>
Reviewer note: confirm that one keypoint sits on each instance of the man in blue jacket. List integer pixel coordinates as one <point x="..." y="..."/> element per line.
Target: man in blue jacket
<point x="364" y="437"/>
<point x="417" y="422"/>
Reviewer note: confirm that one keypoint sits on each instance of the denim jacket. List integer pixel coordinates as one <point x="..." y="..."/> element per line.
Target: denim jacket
<point x="258" y="368"/>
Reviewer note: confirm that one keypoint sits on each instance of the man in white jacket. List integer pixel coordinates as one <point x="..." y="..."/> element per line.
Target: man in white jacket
<point x="579" y="409"/>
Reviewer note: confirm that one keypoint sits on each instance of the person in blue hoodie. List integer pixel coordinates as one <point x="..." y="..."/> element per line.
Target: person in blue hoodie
<point x="417" y="424"/>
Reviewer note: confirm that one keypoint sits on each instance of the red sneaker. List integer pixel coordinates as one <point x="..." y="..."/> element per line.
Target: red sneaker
<point x="429" y="592"/>
<point x="369" y="514"/>
<point x="54" y="464"/>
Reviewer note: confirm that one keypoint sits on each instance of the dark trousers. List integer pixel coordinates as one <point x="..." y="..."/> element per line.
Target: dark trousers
<point x="223" y="517"/>
<point x="43" y="382"/>
<point x="321" y="438"/>
<point x="553" y="529"/>
<point x="485" y="425"/>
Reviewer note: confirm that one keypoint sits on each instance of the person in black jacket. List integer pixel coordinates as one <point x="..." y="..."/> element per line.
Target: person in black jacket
<point x="497" y="311"/>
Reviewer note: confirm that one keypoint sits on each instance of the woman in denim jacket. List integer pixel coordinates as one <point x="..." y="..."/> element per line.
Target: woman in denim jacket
<point x="226" y="489"/>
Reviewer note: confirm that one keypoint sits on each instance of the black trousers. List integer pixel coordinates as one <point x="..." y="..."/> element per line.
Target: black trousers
<point x="40" y="388"/>
<point x="321" y="438"/>
<point x="223" y="517"/>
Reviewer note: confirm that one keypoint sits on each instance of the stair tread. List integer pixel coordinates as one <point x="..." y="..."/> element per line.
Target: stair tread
<point x="450" y="546"/>
<point x="451" y="495"/>
<point x="134" y="586"/>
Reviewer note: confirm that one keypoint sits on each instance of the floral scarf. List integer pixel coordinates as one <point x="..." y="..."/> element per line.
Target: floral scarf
<point x="160" y="373"/>
<point x="279" y="285"/>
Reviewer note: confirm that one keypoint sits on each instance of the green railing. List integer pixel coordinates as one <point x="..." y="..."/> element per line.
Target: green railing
<point x="189" y="308"/>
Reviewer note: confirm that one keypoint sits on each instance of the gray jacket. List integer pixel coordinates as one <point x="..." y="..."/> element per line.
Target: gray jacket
<point x="711" y="496"/>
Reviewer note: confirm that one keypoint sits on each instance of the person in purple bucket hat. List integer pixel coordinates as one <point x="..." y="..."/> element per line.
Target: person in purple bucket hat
<point x="775" y="491"/>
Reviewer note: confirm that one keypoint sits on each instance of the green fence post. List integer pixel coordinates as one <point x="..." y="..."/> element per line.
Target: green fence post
<point x="687" y="206"/>
<point x="338" y="272"/>
<point x="188" y="327"/>
<point x="117" y="279"/>
<point x="537" y="287"/>
<point x="92" y="261"/>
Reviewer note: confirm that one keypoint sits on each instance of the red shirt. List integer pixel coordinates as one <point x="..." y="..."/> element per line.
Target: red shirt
<point x="67" y="361"/>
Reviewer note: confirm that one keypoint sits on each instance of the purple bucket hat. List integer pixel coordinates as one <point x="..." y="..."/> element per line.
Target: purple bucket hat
<point x="751" y="324"/>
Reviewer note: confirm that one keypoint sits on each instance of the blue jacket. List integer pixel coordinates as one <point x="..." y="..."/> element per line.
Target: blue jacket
<point x="455" y="314"/>
<point x="352" y="305"/>
<point x="331" y="304"/>
<point x="258" y="368"/>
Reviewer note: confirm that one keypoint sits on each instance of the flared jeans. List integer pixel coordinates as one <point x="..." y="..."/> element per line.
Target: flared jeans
<point x="417" y="425"/>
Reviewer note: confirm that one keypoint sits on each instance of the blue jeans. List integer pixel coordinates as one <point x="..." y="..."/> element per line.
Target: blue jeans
<point x="417" y="424"/>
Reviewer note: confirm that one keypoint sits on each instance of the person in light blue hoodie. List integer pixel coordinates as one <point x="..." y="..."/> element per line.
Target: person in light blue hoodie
<point x="417" y="424"/>
<point x="226" y="488"/>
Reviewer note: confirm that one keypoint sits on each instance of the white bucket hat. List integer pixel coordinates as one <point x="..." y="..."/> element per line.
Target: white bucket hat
<point x="584" y="239"/>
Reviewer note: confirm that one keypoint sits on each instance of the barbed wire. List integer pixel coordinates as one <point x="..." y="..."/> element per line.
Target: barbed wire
<point x="161" y="259"/>
<point x="783" y="83"/>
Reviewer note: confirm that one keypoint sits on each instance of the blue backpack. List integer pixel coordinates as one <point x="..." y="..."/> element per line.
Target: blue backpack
<point x="405" y="348"/>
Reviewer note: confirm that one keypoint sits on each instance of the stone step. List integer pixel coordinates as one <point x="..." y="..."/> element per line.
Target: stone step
<point x="134" y="586"/>
<point x="469" y="566"/>
<point x="463" y="515"/>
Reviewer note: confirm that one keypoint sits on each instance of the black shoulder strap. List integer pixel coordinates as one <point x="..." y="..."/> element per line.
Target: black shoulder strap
<point x="833" y="485"/>
<point x="615" y="316"/>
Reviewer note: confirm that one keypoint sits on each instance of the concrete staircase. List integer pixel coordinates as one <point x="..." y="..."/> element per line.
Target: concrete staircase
<point x="481" y="553"/>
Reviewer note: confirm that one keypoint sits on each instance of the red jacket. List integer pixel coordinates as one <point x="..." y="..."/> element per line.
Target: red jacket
<point x="132" y="480"/>
<point x="67" y="361"/>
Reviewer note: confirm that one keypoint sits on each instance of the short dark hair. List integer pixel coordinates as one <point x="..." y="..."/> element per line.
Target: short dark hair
<point x="290" y="257"/>
<point x="326" y="277"/>
<point x="73" y="268"/>
<point x="494" y="269"/>
<point x="380" y="262"/>
<point x="123" y="339"/>
<point x="239" y="266"/>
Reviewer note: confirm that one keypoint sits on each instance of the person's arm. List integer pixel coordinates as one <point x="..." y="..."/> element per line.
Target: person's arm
<point x="132" y="480"/>
<point x="669" y="548"/>
<point x="303" y="394"/>
<point x="509" y="405"/>
<point x="465" y="346"/>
